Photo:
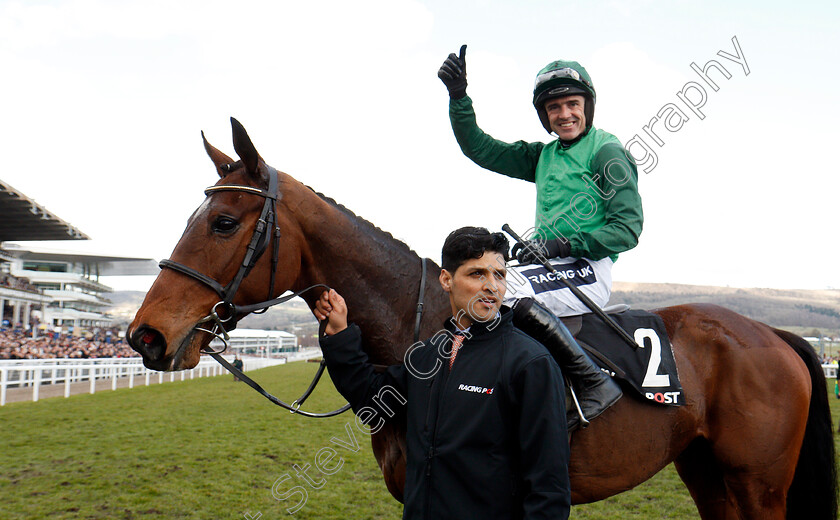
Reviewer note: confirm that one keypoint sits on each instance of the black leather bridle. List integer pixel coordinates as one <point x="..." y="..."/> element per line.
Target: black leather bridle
<point x="224" y="314"/>
<point x="265" y="230"/>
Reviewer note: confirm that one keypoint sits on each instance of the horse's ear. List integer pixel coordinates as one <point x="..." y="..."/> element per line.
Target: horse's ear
<point x="219" y="159"/>
<point x="244" y="147"/>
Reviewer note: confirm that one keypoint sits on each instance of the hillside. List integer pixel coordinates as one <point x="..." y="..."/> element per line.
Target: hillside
<point x="802" y="311"/>
<point x="799" y="310"/>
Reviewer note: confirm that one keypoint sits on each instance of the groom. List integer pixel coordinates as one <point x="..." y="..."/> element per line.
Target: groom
<point x="483" y="402"/>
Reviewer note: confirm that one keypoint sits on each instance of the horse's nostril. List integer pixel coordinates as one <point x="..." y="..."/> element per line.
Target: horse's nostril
<point x="148" y="342"/>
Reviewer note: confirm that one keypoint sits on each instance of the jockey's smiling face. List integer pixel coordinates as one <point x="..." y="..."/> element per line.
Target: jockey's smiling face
<point x="565" y="116"/>
<point x="476" y="289"/>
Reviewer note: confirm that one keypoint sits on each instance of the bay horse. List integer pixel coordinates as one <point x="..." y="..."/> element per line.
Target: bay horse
<point x="754" y="440"/>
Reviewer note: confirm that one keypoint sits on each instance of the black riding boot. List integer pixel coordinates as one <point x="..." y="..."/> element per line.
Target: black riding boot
<point x="596" y="391"/>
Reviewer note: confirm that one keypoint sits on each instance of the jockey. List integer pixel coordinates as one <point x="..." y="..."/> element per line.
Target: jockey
<point x="588" y="210"/>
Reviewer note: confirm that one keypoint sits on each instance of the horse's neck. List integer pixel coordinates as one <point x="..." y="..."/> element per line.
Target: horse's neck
<point x="378" y="277"/>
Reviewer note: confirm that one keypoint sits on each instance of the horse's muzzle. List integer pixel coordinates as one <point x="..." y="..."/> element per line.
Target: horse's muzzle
<point x="150" y="344"/>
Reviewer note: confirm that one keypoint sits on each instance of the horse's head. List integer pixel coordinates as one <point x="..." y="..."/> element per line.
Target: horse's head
<point x="226" y="254"/>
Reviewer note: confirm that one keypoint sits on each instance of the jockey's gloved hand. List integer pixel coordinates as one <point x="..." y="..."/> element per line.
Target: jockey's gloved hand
<point x="534" y="251"/>
<point x="453" y="73"/>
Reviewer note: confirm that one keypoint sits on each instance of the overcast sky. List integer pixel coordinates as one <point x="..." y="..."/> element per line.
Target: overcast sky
<point x="103" y="102"/>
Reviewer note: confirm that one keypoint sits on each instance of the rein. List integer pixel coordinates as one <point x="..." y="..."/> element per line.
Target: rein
<point x="260" y="241"/>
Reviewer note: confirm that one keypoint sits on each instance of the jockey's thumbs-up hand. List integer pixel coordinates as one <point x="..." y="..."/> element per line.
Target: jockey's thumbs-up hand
<point x="453" y="73"/>
<point x="331" y="306"/>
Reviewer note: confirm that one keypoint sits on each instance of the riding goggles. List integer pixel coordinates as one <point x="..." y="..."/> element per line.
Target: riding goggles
<point x="565" y="72"/>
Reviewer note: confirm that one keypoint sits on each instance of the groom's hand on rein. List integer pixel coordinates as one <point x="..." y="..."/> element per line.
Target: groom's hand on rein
<point x="331" y="305"/>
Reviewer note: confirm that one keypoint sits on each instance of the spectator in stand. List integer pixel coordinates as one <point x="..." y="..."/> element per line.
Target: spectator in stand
<point x="16" y="345"/>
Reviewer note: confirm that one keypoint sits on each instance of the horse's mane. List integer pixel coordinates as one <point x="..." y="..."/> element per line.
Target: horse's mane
<point x="366" y="224"/>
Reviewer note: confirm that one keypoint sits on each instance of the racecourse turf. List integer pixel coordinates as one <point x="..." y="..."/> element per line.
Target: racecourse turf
<point x="213" y="449"/>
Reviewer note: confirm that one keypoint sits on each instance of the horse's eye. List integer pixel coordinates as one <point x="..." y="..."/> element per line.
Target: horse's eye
<point x="224" y="224"/>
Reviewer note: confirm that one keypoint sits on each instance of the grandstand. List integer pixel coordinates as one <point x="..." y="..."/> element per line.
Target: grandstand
<point x="44" y="289"/>
<point x="53" y="304"/>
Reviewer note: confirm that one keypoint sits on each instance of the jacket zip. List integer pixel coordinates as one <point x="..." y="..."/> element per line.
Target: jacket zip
<point x="441" y="391"/>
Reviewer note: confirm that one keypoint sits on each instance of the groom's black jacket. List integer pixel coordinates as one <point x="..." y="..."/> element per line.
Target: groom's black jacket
<point x="484" y="441"/>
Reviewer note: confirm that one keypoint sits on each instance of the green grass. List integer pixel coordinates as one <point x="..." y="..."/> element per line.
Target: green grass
<point x="203" y="449"/>
<point x="212" y="449"/>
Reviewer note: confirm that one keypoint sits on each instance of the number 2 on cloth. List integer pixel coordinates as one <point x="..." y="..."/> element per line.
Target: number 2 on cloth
<point x="652" y="379"/>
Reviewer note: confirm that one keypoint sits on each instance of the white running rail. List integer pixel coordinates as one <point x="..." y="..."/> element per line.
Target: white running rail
<point x="35" y="373"/>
